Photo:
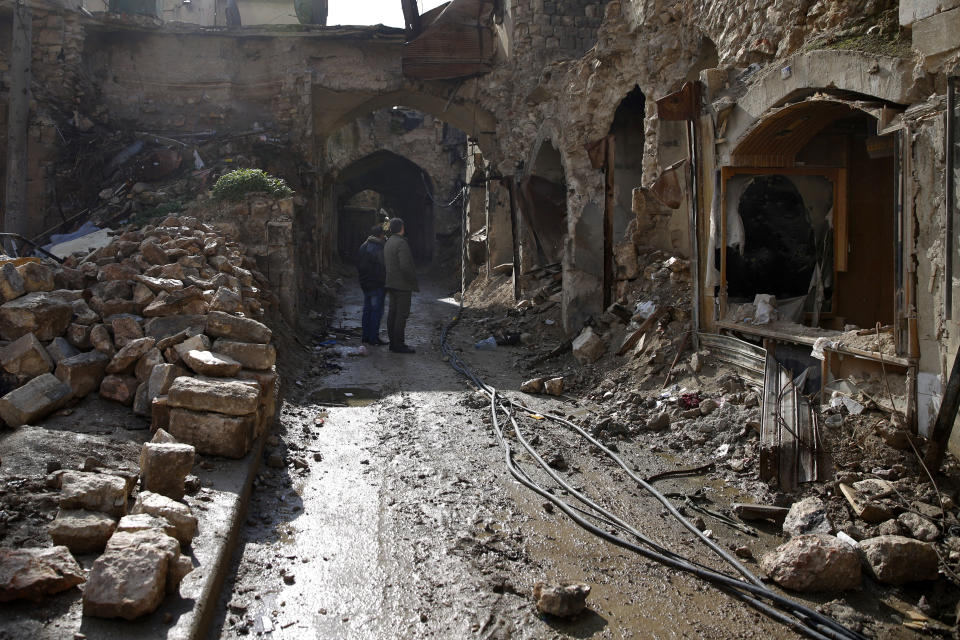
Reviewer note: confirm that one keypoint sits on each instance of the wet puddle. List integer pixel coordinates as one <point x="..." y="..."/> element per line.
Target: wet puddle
<point x="344" y="397"/>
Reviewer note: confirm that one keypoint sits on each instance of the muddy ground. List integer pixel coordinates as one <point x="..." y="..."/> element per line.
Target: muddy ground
<point x="393" y="515"/>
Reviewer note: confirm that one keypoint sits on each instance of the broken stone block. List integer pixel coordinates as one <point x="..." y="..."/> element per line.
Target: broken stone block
<point x="36" y="399"/>
<point x="101" y="340"/>
<point x="898" y="560"/>
<point x="142" y="295"/>
<point x="814" y="562"/>
<point x="625" y="261"/>
<point x="249" y="355"/>
<point x="141" y="402"/>
<point x="209" y="363"/>
<point x="119" y="388"/>
<point x="59" y="349"/>
<point x="708" y="406"/>
<point x="33" y="573"/>
<point x="144" y="521"/>
<point x="183" y="301"/>
<point x="161" y="377"/>
<point x="177" y="513"/>
<point x="126" y="329"/>
<point x="553" y="386"/>
<point x="657" y="423"/>
<point x="918" y="526"/>
<point x="162" y="437"/>
<point x="93" y="492"/>
<point x="26" y="356"/>
<point x="534" y="385"/>
<point x="78" y="335"/>
<point x="234" y="398"/>
<point x="82" y="531"/>
<point x="865" y="508"/>
<point x="83" y="372"/>
<point x="130" y="579"/>
<point x="165" y="467"/>
<point x="146" y="363"/>
<point x="11" y="282"/>
<point x="152" y="252"/>
<point x="36" y="277"/>
<point x="167" y="326"/>
<point x="807" y="516"/>
<point x="158" y="285"/>
<point x="116" y="271"/>
<point x="561" y="600"/>
<point x="225" y="325"/>
<point x="159" y="413"/>
<point x="127" y="357"/>
<point x="214" y="434"/>
<point x="588" y="347"/>
<point x="42" y="313"/>
<point x="225" y="300"/>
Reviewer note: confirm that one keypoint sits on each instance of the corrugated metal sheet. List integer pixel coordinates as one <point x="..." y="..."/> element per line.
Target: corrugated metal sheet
<point x="748" y="358"/>
<point x="458" y="44"/>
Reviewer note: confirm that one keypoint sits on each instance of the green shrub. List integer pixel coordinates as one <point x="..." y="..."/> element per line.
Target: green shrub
<point x="236" y="184"/>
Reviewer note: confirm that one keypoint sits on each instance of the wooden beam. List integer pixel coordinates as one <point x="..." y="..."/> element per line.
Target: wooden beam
<point x="943" y="427"/>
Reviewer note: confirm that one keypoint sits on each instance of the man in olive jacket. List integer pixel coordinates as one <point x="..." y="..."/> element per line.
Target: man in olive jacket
<point x="401" y="283"/>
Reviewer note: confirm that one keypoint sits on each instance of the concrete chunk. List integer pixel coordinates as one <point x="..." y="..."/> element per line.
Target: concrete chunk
<point x="38" y="398"/>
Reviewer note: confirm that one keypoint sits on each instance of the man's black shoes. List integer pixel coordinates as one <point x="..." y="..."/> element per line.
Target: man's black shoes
<point x="402" y="349"/>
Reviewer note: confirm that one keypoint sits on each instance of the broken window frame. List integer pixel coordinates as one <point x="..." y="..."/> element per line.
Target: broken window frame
<point x="837" y="177"/>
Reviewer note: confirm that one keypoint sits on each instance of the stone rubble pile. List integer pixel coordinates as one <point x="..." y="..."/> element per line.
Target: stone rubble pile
<point x="162" y="320"/>
<point x="130" y="318"/>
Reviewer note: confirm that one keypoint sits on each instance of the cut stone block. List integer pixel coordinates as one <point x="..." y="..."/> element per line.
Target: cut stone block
<point x="36" y="277"/>
<point x="26" y="356"/>
<point x="122" y="389"/>
<point x="234" y="398"/>
<point x="209" y="363"/>
<point x="213" y="434"/>
<point x="11" y="282"/>
<point x="146" y="363"/>
<point x="127" y="357"/>
<point x="83" y="372"/>
<point x="177" y="513"/>
<point x="60" y="349"/>
<point x="131" y="577"/>
<point x="94" y="492"/>
<point x="165" y="467"/>
<point x="171" y="325"/>
<point x="126" y="329"/>
<point x="42" y="313"/>
<point x="250" y="355"/>
<point x="82" y="531"/>
<point x="225" y="325"/>
<point x="38" y="398"/>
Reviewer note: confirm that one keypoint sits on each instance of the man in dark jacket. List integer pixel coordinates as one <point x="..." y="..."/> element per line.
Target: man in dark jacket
<point x="373" y="275"/>
<point x="401" y="283"/>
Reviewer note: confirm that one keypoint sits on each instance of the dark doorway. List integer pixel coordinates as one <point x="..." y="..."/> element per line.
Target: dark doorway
<point x="779" y="251"/>
<point x="404" y="190"/>
<point x="544" y="203"/>
<point x="628" y="135"/>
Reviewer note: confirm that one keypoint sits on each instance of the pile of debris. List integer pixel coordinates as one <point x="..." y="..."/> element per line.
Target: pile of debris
<point x="161" y="319"/>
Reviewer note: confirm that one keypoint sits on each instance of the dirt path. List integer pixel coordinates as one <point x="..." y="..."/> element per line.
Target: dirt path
<point x="396" y="518"/>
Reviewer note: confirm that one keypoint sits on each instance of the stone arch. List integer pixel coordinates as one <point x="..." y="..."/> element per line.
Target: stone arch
<point x="854" y="76"/>
<point x="337" y="109"/>
<point x="405" y="190"/>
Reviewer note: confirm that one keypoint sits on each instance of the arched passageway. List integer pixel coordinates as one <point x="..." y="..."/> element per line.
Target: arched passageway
<point x="628" y="137"/>
<point x="404" y="190"/>
<point x="544" y="203"/>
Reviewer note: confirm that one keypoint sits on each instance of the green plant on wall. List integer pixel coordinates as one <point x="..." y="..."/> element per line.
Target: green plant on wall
<point x="236" y="184"/>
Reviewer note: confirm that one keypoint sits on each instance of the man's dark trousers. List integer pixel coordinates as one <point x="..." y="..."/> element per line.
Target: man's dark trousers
<point x="373" y="300"/>
<point x="397" y="316"/>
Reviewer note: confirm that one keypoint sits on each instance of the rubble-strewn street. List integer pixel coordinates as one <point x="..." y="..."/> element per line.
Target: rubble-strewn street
<point x="684" y="352"/>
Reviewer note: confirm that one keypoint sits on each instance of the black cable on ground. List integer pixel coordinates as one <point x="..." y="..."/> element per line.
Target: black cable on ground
<point x="754" y="593"/>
